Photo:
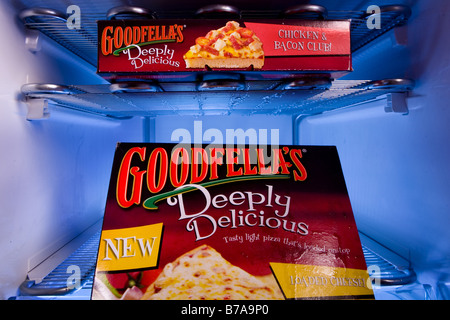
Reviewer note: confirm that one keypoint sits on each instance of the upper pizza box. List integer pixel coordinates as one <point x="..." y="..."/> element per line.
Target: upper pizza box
<point x="166" y="48"/>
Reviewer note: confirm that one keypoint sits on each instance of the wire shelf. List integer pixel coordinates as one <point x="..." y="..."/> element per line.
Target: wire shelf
<point x="387" y="273"/>
<point x="59" y="281"/>
<point x="55" y="284"/>
<point x="128" y="99"/>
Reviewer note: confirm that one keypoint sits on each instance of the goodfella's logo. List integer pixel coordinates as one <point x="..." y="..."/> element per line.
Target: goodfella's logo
<point x="131" y="40"/>
<point x="116" y="39"/>
<point x="185" y="168"/>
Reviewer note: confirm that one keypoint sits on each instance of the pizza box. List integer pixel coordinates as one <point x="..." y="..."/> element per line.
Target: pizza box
<point x="207" y="222"/>
<point x="178" y="49"/>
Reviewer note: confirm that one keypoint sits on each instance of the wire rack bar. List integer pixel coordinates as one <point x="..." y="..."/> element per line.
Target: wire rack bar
<point x="56" y="282"/>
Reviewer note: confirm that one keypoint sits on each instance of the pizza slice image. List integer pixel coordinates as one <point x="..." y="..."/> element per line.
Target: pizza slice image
<point x="203" y="274"/>
<point x="228" y="47"/>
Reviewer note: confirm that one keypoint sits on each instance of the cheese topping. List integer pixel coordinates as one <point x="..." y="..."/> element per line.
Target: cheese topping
<point x="230" y="41"/>
<point x="204" y="274"/>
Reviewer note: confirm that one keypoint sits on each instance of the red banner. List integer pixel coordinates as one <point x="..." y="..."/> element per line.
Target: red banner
<point x="302" y="40"/>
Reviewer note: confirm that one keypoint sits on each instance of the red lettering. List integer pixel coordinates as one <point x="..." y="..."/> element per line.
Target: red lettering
<point x="107" y="46"/>
<point x="295" y="155"/>
<point x="128" y="36"/>
<point x="123" y="179"/>
<point x="118" y="37"/>
<point x="280" y="162"/>
<point x="215" y="161"/>
<point x="155" y="170"/>
<point x="231" y="160"/>
<point x="136" y="34"/>
<point x="262" y="168"/>
<point x="197" y="176"/>
<point x="180" y="37"/>
<point x="248" y="170"/>
<point x="144" y="32"/>
<point x="178" y="179"/>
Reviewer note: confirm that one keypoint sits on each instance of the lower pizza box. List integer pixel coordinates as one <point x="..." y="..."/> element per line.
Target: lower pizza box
<point x="228" y="223"/>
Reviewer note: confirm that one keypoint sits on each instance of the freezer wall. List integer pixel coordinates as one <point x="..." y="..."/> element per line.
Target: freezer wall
<point x="55" y="172"/>
<point x="396" y="166"/>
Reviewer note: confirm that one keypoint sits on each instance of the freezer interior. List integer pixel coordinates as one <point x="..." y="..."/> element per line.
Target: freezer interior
<point x="60" y="123"/>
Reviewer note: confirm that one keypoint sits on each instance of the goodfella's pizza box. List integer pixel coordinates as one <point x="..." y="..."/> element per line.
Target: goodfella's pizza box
<point x="180" y="48"/>
<point x="213" y="222"/>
